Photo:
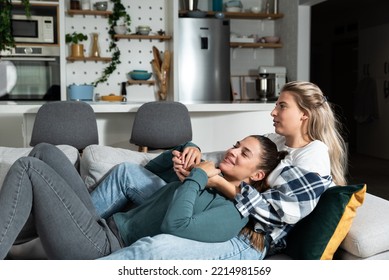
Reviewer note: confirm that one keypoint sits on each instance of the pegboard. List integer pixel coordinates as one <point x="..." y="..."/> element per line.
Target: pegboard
<point x="135" y="54"/>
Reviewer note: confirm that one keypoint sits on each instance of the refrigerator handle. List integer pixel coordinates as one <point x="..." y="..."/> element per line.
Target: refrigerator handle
<point x="204" y="43"/>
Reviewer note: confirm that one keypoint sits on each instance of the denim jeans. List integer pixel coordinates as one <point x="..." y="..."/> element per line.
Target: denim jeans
<point x="169" y="247"/>
<point x="134" y="183"/>
<point x="47" y="186"/>
<point x="126" y="183"/>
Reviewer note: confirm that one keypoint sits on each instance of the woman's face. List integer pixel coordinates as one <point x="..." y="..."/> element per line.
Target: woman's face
<point x="287" y="115"/>
<point x="242" y="160"/>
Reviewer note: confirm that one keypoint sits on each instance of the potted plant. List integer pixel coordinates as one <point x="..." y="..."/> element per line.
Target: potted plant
<point x="6" y="39"/>
<point x="119" y="16"/>
<point x="77" y="49"/>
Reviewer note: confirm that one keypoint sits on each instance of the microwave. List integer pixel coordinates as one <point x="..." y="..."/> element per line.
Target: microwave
<point x="34" y="29"/>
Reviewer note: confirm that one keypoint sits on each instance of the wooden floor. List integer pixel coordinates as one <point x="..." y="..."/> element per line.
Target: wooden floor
<point x="372" y="171"/>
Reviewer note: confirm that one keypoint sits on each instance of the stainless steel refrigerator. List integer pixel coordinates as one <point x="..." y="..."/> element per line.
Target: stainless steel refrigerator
<point x="204" y="59"/>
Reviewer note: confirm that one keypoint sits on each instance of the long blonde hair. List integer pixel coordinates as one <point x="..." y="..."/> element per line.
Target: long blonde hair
<point x="323" y="125"/>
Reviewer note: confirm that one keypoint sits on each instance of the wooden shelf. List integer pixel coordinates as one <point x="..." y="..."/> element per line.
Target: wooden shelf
<point x="255" y="45"/>
<point x="103" y="59"/>
<point x="140" y="82"/>
<point x="240" y="15"/>
<point x="89" y="12"/>
<point x="142" y="37"/>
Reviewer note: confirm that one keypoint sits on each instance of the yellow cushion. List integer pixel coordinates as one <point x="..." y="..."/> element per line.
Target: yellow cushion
<point x="319" y="235"/>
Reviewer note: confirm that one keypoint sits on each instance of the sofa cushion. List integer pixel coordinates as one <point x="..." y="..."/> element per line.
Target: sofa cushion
<point x="9" y="155"/>
<point x="319" y="234"/>
<point x="97" y="160"/>
<point x="368" y="237"/>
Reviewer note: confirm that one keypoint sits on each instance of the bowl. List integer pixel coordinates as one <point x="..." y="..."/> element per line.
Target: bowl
<point x="112" y="97"/>
<point x="140" y="75"/>
<point x="120" y="29"/>
<point x="143" y="29"/>
<point x="271" y="39"/>
<point x="255" y="10"/>
<point x="233" y="9"/>
<point x="197" y="14"/>
<point x="101" y="6"/>
<point x="234" y="3"/>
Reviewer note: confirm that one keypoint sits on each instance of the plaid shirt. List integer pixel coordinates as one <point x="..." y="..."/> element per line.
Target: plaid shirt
<point x="292" y="196"/>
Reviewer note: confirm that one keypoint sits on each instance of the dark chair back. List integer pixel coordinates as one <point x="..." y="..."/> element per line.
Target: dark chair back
<point x="65" y="122"/>
<point x="161" y="125"/>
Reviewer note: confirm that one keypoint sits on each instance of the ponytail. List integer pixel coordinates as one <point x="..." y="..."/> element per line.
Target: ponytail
<point x="270" y="158"/>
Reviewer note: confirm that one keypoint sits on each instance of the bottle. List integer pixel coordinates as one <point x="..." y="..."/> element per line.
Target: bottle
<point x="75" y="4"/>
<point x="275" y="7"/>
<point x="95" y="45"/>
<point x="123" y="90"/>
<point x="85" y="4"/>
<point x="217" y="5"/>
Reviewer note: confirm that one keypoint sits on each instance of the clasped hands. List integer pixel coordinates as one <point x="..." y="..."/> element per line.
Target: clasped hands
<point x="184" y="162"/>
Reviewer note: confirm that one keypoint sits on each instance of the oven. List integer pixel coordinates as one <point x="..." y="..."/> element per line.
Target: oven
<point x="37" y="73"/>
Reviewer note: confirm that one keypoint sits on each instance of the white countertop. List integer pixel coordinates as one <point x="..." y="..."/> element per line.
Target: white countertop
<point x="11" y="107"/>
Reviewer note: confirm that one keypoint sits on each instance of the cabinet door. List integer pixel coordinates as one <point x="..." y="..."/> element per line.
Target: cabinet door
<point x="374" y="51"/>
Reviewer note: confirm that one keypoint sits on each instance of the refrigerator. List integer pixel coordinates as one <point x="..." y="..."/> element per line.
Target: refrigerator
<point x="203" y="60"/>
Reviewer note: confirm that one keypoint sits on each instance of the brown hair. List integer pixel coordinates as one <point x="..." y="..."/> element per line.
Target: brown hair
<point x="270" y="158"/>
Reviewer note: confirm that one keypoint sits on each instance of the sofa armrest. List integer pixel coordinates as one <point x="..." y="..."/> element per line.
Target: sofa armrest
<point x="368" y="236"/>
<point x="9" y="155"/>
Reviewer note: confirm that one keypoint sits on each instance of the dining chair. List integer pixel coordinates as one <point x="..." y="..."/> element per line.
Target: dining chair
<point x="161" y="125"/>
<point x="65" y="123"/>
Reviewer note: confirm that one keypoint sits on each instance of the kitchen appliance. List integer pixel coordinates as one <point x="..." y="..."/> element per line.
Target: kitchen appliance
<point x="34" y="29"/>
<point x="37" y="72"/>
<point x="270" y="81"/>
<point x="203" y="59"/>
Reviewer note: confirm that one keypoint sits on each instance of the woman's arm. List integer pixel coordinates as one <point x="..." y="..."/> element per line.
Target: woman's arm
<point x="294" y="195"/>
<point x="162" y="165"/>
<point x="201" y="215"/>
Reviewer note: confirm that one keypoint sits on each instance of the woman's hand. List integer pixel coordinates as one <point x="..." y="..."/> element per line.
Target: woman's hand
<point x="185" y="161"/>
<point x="209" y="168"/>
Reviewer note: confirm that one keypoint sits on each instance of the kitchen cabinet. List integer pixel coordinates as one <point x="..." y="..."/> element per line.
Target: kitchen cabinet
<point x="246" y="16"/>
<point x="372" y="137"/>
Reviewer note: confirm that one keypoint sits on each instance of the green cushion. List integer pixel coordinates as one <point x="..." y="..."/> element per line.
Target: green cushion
<point x="319" y="235"/>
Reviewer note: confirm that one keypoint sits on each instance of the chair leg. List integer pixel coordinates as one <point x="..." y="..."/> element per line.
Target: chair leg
<point x="143" y="149"/>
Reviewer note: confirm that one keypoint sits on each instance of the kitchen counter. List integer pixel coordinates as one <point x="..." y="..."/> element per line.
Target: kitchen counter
<point x="216" y="126"/>
<point x="20" y="107"/>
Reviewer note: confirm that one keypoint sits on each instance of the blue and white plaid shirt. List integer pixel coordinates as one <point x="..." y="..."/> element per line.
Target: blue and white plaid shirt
<point x="294" y="193"/>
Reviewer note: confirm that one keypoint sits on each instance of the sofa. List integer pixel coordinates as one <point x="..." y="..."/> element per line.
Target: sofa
<point x="366" y="238"/>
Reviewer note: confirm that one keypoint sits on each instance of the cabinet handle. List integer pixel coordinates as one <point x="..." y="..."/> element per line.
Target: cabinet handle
<point x="386" y="88"/>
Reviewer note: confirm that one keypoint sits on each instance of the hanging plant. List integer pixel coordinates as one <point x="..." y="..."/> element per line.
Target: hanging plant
<point x="6" y="39"/>
<point x="119" y="16"/>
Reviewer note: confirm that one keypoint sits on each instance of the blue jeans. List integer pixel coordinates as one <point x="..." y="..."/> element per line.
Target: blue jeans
<point x="133" y="183"/>
<point x="169" y="247"/>
<point x="126" y="183"/>
<point x="44" y="194"/>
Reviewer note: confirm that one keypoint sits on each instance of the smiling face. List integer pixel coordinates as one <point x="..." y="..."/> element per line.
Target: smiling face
<point x="241" y="162"/>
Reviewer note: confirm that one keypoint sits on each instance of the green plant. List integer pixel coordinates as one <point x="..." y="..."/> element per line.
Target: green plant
<point x="6" y="39"/>
<point x="75" y="38"/>
<point x="118" y="16"/>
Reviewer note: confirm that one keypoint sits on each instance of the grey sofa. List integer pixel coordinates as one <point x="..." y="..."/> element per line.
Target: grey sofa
<point x="368" y="237"/>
